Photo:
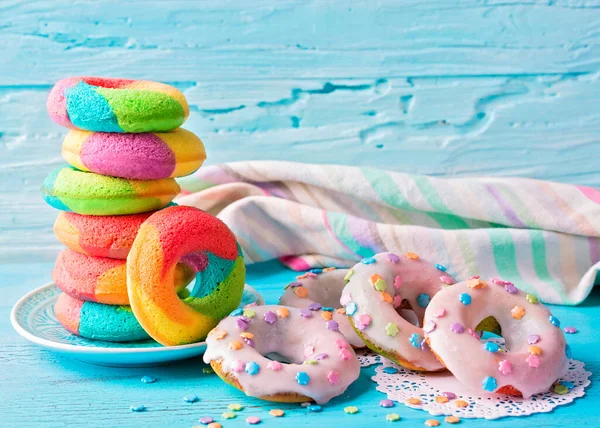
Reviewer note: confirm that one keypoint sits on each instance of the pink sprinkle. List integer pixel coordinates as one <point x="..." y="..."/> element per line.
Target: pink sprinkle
<point x="457" y="327"/>
<point x="238" y="366"/>
<point x="275" y="365"/>
<point x="311" y="274"/>
<point x="333" y="377"/>
<point x="295" y="284"/>
<point x="532" y="339"/>
<point x="397" y="301"/>
<point x="449" y="395"/>
<point x="571" y="330"/>
<point x="505" y="367"/>
<point x="345" y="299"/>
<point x="345" y="354"/>
<point x="446" y="279"/>
<point x="206" y="420"/>
<point x="497" y="281"/>
<point x="397" y="282"/>
<point x="440" y="313"/>
<point x="309" y="350"/>
<point x="341" y="343"/>
<point x="393" y="258"/>
<point x="429" y="326"/>
<point x="475" y="334"/>
<point x="364" y="319"/>
<point x="424" y="346"/>
<point x="250" y="305"/>
<point x="533" y="361"/>
<point x="386" y="403"/>
<point x="321" y="356"/>
<point x="270" y="317"/>
<point x="475" y="277"/>
<point x="252" y="420"/>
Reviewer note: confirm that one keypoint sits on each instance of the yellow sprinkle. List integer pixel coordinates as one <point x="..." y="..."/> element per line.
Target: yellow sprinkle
<point x="326" y="315"/>
<point x="247" y="335"/>
<point x="517" y="312"/>
<point x="476" y="283"/>
<point x="228" y="415"/>
<point x="432" y="423"/>
<point x="535" y="350"/>
<point x="392" y="417"/>
<point x="218" y="334"/>
<point x="414" y="401"/>
<point x="441" y="399"/>
<point x="234" y="345"/>
<point x="249" y="313"/>
<point x="235" y="407"/>
<point x="461" y="403"/>
<point x="386" y="297"/>
<point x="412" y="256"/>
<point x="351" y="410"/>
<point x="452" y="419"/>
<point x="277" y="413"/>
<point x="374" y="278"/>
<point x="282" y="312"/>
<point x="329" y="269"/>
<point x="214" y="425"/>
<point x="301" y="292"/>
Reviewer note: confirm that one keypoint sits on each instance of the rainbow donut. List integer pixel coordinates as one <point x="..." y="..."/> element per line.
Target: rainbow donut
<point x="100" y="279"/>
<point x="377" y="288"/>
<point x="68" y="189"/>
<point x="322" y="363"/>
<point x="203" y="242"/>
<point x="116" y="105"/>
<point x="320" y="290"/>
<point x="97" y="321"/>
<point x="137" y="156"/>
<point x="537" y="348"/>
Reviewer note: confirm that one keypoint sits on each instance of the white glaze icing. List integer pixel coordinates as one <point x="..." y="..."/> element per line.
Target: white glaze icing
<point x="494" y="300"/>
<point x="295" y="338"/>
<point x="325" y="289"/>
<point x="417" y="277"/>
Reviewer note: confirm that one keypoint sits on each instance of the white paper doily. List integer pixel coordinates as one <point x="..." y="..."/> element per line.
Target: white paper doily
<point x="404" y="384"/>
<point x="368" y="358"/>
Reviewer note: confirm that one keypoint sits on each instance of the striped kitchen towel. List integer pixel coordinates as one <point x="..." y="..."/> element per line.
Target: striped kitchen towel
<point x="543" y="236"/>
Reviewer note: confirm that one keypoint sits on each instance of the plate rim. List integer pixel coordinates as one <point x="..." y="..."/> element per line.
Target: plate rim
<point x="21" y="331"/>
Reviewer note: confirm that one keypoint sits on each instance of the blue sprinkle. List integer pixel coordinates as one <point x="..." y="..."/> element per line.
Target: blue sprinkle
<point x="568" y="351"/>
<point x="351" y="309"/>
<point x="314" y="408"/>
<point x="191" y="398"/>
<point x="148" y="379"/>
<point x="237" y="312"/>
<point x="327" y="309"/>
<point x="139" y="408"/>
<point x="368" y="260"/>
<point x="390" y="370"/>
<point x="491" y="347"/>
<point x="423" y="300"/>
<point x="252" y="368"/>
<point x="316" y="270"/>
<point x="441" y="267"/>
<point x="415" y="340"/>
<point x="489" y="384"/>
<point x="554" y="321"/>
<point x="568" y="384"/>
<point x="302" y="378"/>
<point x="464" y="298"/>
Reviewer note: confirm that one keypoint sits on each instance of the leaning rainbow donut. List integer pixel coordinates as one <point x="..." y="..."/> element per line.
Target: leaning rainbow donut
<point x="203" y="242"/>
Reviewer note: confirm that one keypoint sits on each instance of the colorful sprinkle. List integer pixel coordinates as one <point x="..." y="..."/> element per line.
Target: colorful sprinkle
<point x="252" y="420"/>
<point x="348" y="274"/>
<point x="249" y="313"/>
<point x="148" y="379"/>
<point x="302" y="378"/>
<point x="432" y="423"/>
<point x="282" y="312"/>
<point x="397" y="282"/>
<point x="554" y="321"/>
<point x="311" y="362"/>
<point x="332" y="325"/>
<point x="386" y="297"/>
<point x="532" y="299"/>
<point x="315" y="306"/>
<point x="447" y="279"/>
<point x="326" y="315"/>
<point x="321" y="356"/>
<point x="415" y="340"/>
<point x="252" y="368"/>
<point x="139" y="408"/>
<point x="309" y="350"/>
<point x="441" y="399"/>
<point x="380" y="285"/>
<point x="206" y="420"/>
<point x="517" y="312"/>
<point x="476" y="283"/>
<point x="235" y="407"/>
<point x="464" y="298"/>
<point x="328" y="269"/>
<point x="505" y="367"/>
<point x="333" y="377"/>
<point x="341" y="343"/>
<point x="249" y="342"/>
<point x="228" y="415"/>
<point x="570" y="330"/>
<point x="392" y="417"/>
<point x="214" y="425"/>
<point x="414" y="401"/>
<point x="568" y="384"/>
<point x="510" y="288"/>
<point x="489" y="384"/>
<point x="533" y="361"/>
<point x="301" y="292"/>
<point x="234" y="345"/>
<point x="346" y="354"/>
<point x="270" y="317"/>
<point x="191" y="398"/>
<point x="314" y="408"/>
<point x="247" y="335"/>
<point x="368" y="260"/>
<point x="393" y="258"/>
<point x="440" y="314"/>
<point x="561" y="389"/>
<point x="364" y="319"/>
<point x="461" y="403"/>
<point x="294" y="284"/>
<point x="449" y="395"/>
<point x="351" y="308"/>
<point x="457" y="327"/>
<point x="423" y="300"/>
<point x="386" y="403"/>
<point x="452" y="419"/>
<point x="491" y="347"/>
<point x="306" y="313"/>
<point x="440" y="267"/>
<point x="242" y="323"/>
<point x="316" y="271"/>
<point x="391" y="329"/>
<point x="429" y="326"/>
<point x="535" y="350"/>
<point x="397" y="300"/>
<point x="275" y="365"/>
<point x="351" y="410"/>
<point x="237" y="312"/>
<point x="238" y="366"/>
<point x="276" y="413"/>
<point x="390" y="370"/>
<point x="532" y="339"/>
<point x="411" y="255"/>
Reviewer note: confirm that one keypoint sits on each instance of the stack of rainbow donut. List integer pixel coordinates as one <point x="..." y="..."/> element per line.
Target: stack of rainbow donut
<point x="131" y="256"/>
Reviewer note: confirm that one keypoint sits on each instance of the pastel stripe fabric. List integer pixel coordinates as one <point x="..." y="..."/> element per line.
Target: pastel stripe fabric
<point x="543" y="236"/>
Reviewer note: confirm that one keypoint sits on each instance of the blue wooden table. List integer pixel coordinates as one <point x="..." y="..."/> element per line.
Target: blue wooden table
<point x="39" y="388"/>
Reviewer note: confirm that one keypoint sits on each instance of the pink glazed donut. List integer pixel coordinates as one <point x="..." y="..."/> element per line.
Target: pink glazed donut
<point x="320" y="290"/>
<point x="536" y="355"/>
<point x="378" y="287"/>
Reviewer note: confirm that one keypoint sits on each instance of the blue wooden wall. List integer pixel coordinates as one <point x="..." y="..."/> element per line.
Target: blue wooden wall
<point x="442" y="87"/>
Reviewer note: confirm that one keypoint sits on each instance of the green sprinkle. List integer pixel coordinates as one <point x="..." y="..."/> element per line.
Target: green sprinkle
<point x="392" y="417"/>
<point x="532" y="299"/>
<point x="249" y="313"/>
<point x="561" y="389"/>
<point x="228" y="415"/>
<point x="380" y="285"/>
<point x="351" y="410"/>
<point x="311" y="362"/>
<point x="235" y="407"/>
<point x="391" y="329"/>
<point x="207" y="370"/>
<point x="349" y="275"/>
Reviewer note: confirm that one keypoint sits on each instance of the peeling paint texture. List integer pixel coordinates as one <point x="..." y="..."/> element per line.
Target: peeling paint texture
<point x="460" y="87"/>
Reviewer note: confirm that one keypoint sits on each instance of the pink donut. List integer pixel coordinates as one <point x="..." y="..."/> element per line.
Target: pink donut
<point x="377" y="288"/>
<point x="536" y="355"/>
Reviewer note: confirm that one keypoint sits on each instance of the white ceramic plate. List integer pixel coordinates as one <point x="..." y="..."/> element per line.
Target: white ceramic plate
<point x="33" y="318"/>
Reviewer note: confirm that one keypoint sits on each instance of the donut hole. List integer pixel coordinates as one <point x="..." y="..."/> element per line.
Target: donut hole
<point x="490" y="330"/>
<point x="406" y="311"/>
<point x="275" y="356"/>
<point x="209" y="272"/>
